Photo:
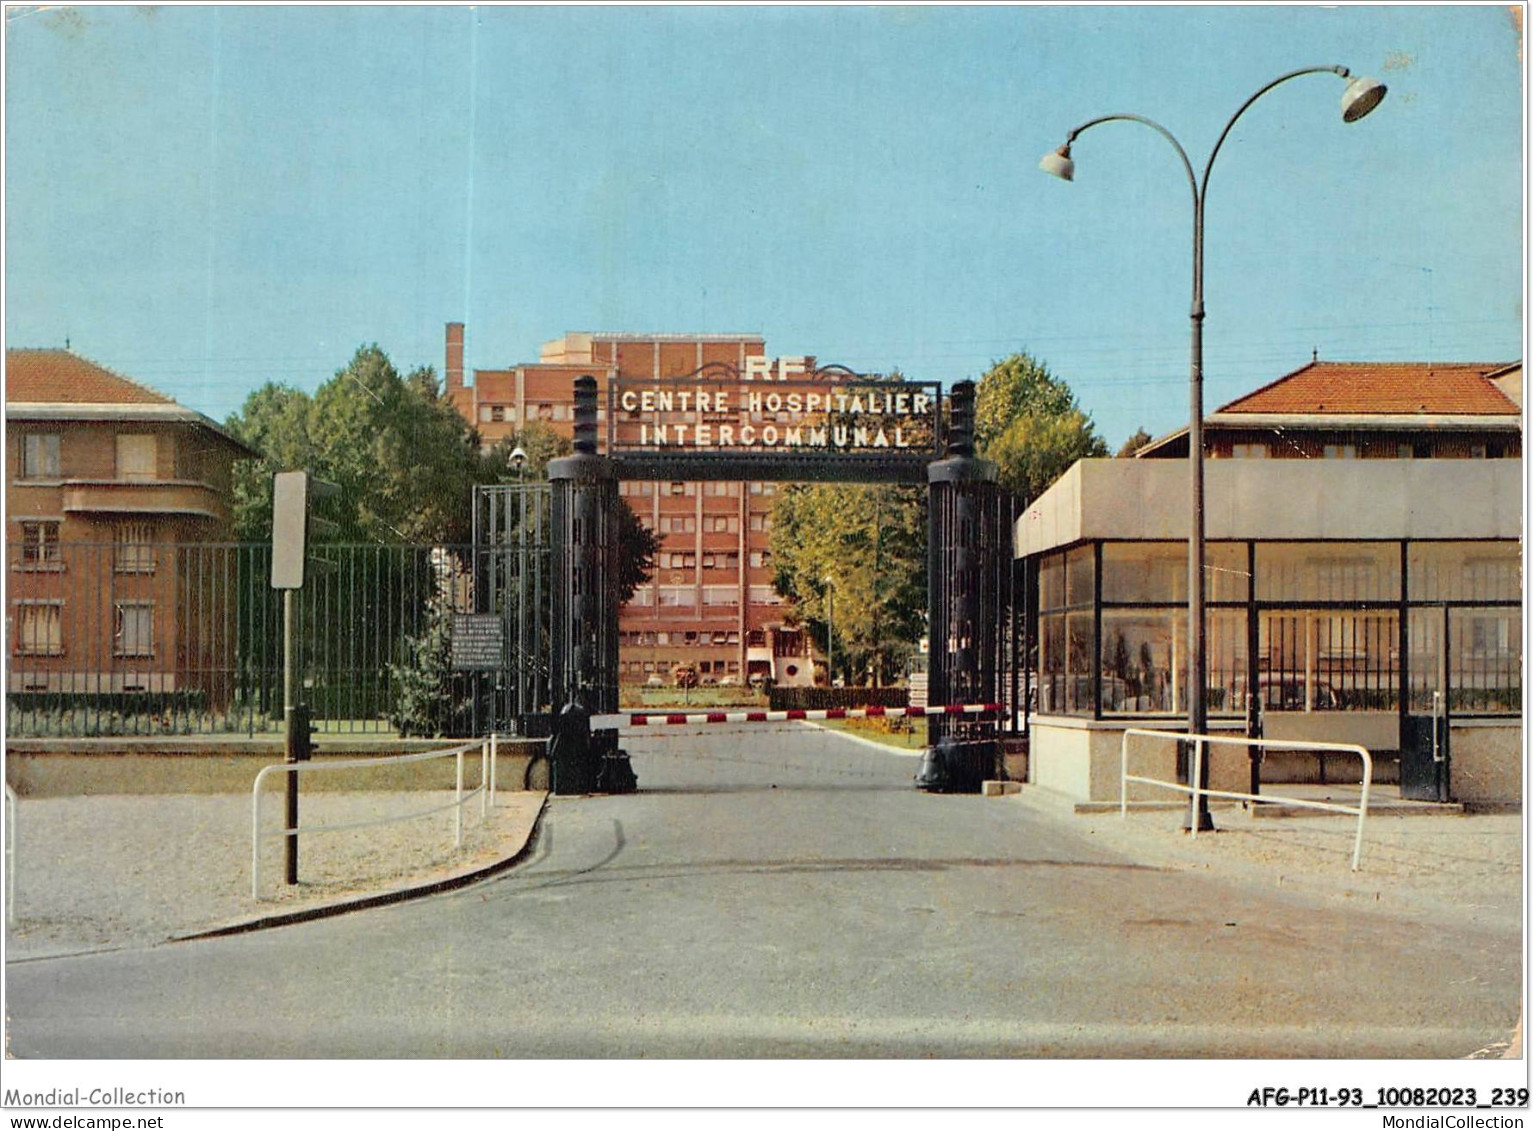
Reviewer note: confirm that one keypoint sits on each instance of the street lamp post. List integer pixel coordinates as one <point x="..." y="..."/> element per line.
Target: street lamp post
<point x="1359" y="98"/>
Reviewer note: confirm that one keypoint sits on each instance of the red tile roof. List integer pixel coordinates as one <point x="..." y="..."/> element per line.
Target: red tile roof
<point x="1383" y="387"/>
<point x="60" y="377"/>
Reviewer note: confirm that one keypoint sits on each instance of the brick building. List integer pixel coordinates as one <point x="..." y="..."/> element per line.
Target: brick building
<point x="711" y="601"/>
<point x="103" y="474"/>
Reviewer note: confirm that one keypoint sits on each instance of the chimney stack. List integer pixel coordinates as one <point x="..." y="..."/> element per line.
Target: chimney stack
<point x="454" y="355"/>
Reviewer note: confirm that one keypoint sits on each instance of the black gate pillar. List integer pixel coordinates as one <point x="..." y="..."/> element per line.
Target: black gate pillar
<point x="969" y="561"/>
<point x="583" y="652"/>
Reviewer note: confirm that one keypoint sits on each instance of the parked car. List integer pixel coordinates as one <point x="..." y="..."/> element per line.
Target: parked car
<point x="654" y="681"/>
<point x="729" y="681"/>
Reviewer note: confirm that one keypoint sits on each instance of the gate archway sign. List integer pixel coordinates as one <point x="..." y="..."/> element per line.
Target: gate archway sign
<point x="829" y="425"/>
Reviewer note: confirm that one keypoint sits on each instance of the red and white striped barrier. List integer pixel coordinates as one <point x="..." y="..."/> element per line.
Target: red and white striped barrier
<point x="609" y="722"/>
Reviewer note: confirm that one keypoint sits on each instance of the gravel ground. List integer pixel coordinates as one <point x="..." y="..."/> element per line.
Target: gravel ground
<point x="1448" y="867"/>
<point x="114" y="871"/>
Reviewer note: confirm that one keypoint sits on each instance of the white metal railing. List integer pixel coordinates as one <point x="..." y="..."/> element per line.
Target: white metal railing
<point x="485" y="791"/>
<point x="1199" y="741"/>
<point x="10" y="855"/>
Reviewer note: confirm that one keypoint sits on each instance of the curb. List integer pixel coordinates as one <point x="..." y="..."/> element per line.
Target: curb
<point x="379" y="899"/>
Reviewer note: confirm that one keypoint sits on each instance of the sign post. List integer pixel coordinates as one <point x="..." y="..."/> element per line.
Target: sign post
<point x="292" y="524"/>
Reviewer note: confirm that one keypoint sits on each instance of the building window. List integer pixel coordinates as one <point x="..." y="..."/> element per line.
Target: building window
<point x="1341" y="451"/>
<point x="1465" y="571"/>
<point x="498" y="413"/>
<point x="39" y="628"/>
<point x="1319" y="571"/>
<point x="135" y="456"/>
<point x="759" y="521"/>
<point x="134" y="632"/>
<point x="39" y="457"/>
<point x="40" y="543"/>
<point x="133" y="549"/>
<point x="764" y="595"/>
<point x="1156" y="572"/>
<point x="721" y="595"/>
<point x="722" y="524"/>
<point x="1248" y="451"/>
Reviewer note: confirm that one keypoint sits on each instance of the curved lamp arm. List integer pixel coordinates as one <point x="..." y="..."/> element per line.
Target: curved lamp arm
<point x="1246" y="105"/>
<point x="1154" y="125"/>
<point x="1063" y="155"/>
<point x="1059" y="162"/>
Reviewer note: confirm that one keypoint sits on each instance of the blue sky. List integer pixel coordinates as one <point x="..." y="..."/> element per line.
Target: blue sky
<point x="208" y="198"/>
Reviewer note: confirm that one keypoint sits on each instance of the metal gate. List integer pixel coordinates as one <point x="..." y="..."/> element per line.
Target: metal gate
<point x="1424" y="753"/>
<point x="509" y="620"/>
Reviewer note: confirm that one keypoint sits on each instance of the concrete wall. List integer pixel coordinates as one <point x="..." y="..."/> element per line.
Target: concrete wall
<point x="1378" y="732"/>
<point x="1083" y="760"/>
<point x="1487" y="762"/>
<point x="1278" y="500"/>
<point x="66" y="770"/>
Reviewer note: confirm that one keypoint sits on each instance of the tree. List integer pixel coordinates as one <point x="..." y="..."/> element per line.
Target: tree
<point x="864" y="548"/>
<point x="1028" y="423"/>
<point x="640" y="546"/>
<point x="1035" y="450"/>
<point x="1018" y="386"/>
<point x="275" y="422"/>
<point x="424" y="704"/>
<point x="405" y="459"/>
<point x="1138" y="440"/>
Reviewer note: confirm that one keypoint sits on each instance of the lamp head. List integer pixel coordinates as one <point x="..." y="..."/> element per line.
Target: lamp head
<point x="518" y="457"/>
<point x="1360" y="97"/>
<point x="1057" y="163"/>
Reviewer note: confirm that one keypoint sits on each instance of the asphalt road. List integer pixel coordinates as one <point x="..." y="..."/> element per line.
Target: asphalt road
<point x="785" y="893"/>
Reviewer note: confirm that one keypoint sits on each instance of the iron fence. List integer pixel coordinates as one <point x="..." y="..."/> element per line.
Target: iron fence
<point x="186" y="638"/>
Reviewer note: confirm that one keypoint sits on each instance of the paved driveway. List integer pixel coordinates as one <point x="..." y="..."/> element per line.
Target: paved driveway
<point x="785" y="893"/>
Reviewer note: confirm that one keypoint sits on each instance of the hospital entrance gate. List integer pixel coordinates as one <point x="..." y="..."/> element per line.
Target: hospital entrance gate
<point x="833" y="426"/>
